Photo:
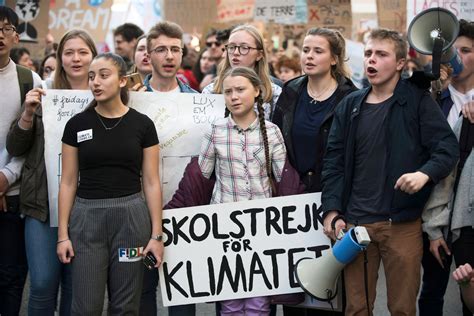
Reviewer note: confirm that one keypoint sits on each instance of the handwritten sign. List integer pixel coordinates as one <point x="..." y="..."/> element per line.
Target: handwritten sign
<point x="238" y="250"/>
<point x="392" y="14"/>
<point x="180" y="120"/>
<point x="332" y="14"/>
<point x="280" y="11"/>
<point x="191" y="15"/>
<point x="462" y="9"/>
<point x="92" y="16"/>
<point x="235" y="10"/>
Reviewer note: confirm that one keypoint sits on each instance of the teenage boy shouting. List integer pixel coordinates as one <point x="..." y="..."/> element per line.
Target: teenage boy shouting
<point x="388" y="145"/>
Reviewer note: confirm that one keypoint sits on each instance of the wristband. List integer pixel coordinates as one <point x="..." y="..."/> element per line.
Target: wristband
<point x="60" y="241"/>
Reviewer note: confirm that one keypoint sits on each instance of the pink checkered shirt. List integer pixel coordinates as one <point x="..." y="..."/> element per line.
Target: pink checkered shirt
<point x="238" y="157"/>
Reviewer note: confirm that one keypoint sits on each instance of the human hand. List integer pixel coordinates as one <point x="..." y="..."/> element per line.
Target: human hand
<point x="3" y="183"/>
<point x="138" y="87"/>
<point x="411" y="182"/>
<point x="463" y="275"/>
<point x="468" y="110"/>
<point x="3" y="202"/>
<point x="435" y="249"/>
<point x="65" y="251"/>
<point x="32" y="101"/>
<point x="328" y="230"/>
<point x="157" y="249"/>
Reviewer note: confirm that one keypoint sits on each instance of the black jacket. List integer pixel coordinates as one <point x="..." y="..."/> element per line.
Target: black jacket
<point x="419" y="139"/>
<point x="284" y="116"/>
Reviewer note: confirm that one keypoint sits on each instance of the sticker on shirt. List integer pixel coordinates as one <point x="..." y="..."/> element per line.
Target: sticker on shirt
<point x="130" y="254"/>
<point x="82" y="136"/>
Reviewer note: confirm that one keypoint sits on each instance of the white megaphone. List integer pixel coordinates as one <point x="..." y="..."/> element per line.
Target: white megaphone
<point x="433" y="32"/>
<point x="318" y="277"/>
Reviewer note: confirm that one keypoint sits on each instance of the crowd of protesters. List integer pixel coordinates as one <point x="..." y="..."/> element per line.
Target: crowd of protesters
<point x="394" y="156"/>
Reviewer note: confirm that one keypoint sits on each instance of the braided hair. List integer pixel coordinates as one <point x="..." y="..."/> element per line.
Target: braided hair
<point x="252" y="76"/>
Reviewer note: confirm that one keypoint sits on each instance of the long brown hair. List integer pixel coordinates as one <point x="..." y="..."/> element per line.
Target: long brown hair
<point x="60" y="77"/>
<point x="256" y="82"/>
<point x="261" y="66"/>
<point x="337" y="45"/>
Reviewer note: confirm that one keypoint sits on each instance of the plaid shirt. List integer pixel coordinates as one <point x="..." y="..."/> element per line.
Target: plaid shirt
<point x="238" y="158"/>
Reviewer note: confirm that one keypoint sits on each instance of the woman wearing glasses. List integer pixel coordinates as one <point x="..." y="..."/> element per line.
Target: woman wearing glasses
<point x="245" y="49"/>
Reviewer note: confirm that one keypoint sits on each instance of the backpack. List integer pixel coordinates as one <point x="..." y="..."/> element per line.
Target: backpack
<point x="25" y="80"/>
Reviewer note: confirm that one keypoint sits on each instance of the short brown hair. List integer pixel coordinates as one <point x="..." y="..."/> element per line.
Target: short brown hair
<point x="166" y="28"/>
<point x="285" y="61"/>
<point x="400" y="43"/>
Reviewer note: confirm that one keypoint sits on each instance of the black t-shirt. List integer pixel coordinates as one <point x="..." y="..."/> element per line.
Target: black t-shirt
<point x="368" y="196"/>
<point x="110" y="161"/>
<point x="309" y="116"/>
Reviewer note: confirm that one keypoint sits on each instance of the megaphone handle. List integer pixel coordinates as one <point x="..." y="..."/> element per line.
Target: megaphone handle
<point x="333" y="225"/>
<point x="436" y="61"/>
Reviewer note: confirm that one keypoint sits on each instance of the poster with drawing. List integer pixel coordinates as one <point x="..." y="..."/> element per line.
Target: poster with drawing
<point x="180" y="119"/>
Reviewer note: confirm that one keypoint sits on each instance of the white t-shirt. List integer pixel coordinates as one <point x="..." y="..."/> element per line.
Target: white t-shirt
<point x="175" y="90"/>
<point x="459" y="100"/>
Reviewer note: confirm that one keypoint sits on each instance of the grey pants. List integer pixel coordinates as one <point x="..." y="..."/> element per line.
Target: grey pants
<point x="106" y="235"/>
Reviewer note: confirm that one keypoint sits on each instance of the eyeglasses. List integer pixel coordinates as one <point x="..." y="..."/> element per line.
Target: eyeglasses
<point x="216" y="43"/>
<point x="163" y="50"/>
<point x="243" y="49"/>
<point x="7" y="30"/>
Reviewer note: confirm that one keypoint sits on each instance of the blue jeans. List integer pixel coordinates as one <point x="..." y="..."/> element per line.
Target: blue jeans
<point x="46" y="271"/>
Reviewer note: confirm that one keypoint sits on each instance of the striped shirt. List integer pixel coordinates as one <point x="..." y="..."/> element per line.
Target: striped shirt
<point x="238" y="158"/>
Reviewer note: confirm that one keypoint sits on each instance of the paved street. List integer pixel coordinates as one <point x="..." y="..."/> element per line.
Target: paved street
<point x="452" y="305"/>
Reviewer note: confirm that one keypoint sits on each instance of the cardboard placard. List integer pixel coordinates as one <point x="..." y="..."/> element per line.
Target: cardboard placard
<point x="180" y="120"/>
<point x="191" y="15"/>
<point x="235" y="10"/>
<point x="462" y="9"/>
<point x="392" y="14"/>
<point x="331" y="14"/>
<point x="240" y="250"/>
<point x="92" y="16"/>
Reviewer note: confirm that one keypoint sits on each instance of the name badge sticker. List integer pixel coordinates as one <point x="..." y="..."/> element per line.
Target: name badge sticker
<point x="84" y="135"/>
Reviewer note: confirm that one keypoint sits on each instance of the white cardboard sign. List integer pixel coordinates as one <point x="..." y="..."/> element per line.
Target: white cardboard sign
<point x="239" y="250"/>
<point x="181" y="120"/>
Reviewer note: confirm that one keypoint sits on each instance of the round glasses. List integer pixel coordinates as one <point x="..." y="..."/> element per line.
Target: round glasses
<point x="243" y="49"/>
<point x="163" y="50"/>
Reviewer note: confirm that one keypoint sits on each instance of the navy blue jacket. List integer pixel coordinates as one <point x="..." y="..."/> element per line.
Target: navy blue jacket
<point x="419" y="139"/>
<point x="284" y="119"/>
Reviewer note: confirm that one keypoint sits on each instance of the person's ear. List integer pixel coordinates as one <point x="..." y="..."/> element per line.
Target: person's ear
<point x="401" y="64"/>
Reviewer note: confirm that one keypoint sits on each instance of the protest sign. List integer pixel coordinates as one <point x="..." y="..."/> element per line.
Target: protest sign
<point x="239" y="250"/>
<point x="462" y="9"/>
<point x="234" y="10"/>
<point x="191" y="15"/>
<point x="281" y="11"/>
<point x="33" y="16"/>
<point x="392" y="14"/>
<point x="332" y="14"/>
<point x="180" y="121"/>
<point x="92" y="16"/>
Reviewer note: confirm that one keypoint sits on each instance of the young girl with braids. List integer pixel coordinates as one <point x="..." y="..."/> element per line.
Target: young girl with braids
<point x="247" y="154"/>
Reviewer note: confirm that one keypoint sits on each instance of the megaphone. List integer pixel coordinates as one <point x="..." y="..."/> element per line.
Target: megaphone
<point x="318" y="277"/>
<point x="433" y="32"/>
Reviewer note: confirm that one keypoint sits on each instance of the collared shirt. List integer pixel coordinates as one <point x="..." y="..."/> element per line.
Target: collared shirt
<point x="238" y="158"/>
<point x="182" y="86"/>
<point x="268" y="108"/>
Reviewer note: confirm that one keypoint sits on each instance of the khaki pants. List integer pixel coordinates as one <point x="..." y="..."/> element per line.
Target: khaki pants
<point x="400" y="247"/>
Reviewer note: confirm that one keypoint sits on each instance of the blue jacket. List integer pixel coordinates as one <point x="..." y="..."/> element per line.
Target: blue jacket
<point x="419" y="139"/>
<point x="184" y="88"/>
